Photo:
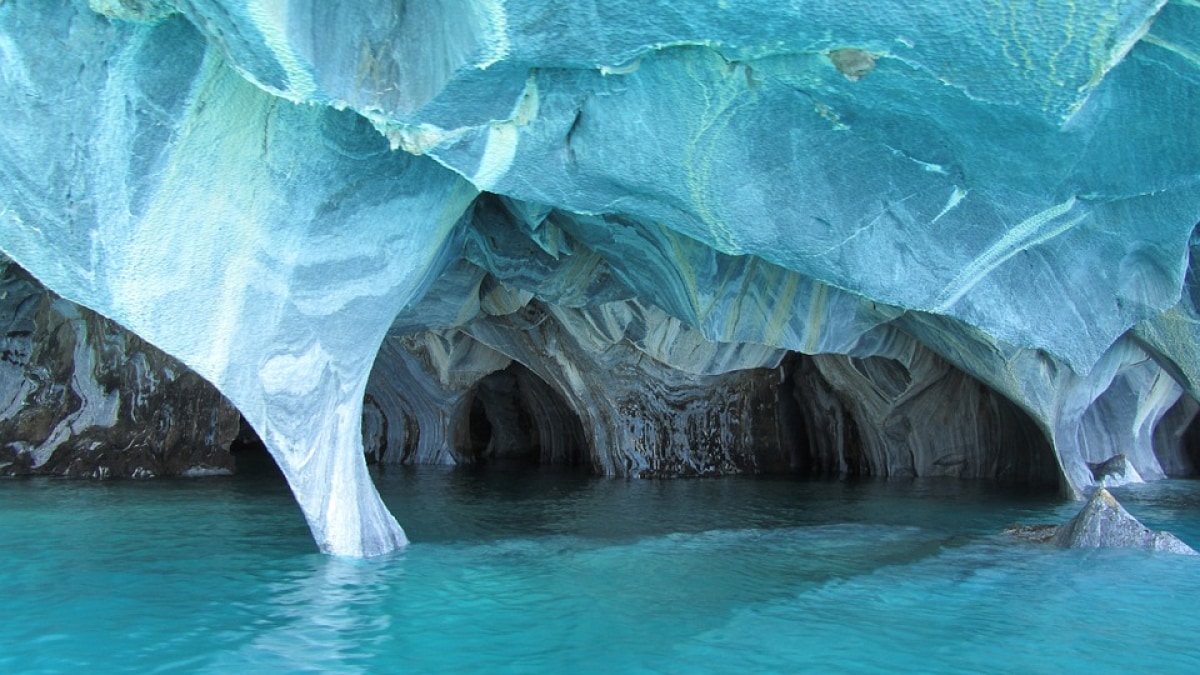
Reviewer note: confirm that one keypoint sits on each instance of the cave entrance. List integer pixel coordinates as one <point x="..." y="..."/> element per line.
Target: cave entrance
<point x="1191" y="440"/>
<point x="1177" y="439"/>
<point x="513" y="417"/>
<point x="250" y="454"/>
<point x="878" y="416"/>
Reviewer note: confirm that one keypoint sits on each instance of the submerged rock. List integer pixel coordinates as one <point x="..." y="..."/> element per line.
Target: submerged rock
<point x="1038" y="534"/>
<point x="1102" y="523"/>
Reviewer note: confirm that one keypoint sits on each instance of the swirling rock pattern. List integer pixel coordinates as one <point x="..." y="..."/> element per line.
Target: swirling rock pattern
<point x="84" y="397"/>
<point x="954" y="239"/>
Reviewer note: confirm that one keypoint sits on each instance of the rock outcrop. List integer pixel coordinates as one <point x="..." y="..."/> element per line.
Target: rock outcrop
<point x="83" y="397"/>
<point x="1104" y="523"/>
<point x="1101" y="523"/>
<point x="1115" y="472"/>
<point x="945" y="239"/>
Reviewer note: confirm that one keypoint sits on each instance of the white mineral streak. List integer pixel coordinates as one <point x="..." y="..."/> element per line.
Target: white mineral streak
<point x="98" y="407"/>
<point x="503" y="138"/>
<point x="270" y="17"/>
<point x="1025" y="235"/>
<point x="498" y="155"/>
<point x="495" y="16"/>
<point x="1119" y="49"/>
<point x="418" y="139"/>
<point x="956" y="196"/>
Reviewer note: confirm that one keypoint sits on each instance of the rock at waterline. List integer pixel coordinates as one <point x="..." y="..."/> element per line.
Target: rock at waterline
<point x="1115" y="472"/>
<point x="1102" y="523"/>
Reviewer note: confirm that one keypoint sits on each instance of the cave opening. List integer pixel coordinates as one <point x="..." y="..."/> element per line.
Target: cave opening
<point x="479" y="430"/>
<point x="1191" y="442"/>
<point x="1177" y="439"/>
<point x="512" y="417"/>
<point x="877" y="416"/>
<point x="250" y="454"/>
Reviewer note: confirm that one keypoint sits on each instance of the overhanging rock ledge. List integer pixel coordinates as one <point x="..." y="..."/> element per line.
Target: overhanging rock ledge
<point x="640" y="205"/>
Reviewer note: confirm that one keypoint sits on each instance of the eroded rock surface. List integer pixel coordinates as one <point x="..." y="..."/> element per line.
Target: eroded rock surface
<point x="1104" y="523"/>
<point x="1101" y="523"/>
<point x="83" y="397"/>
<point x="946" y="239"/>
<point x="1115" y="472"/>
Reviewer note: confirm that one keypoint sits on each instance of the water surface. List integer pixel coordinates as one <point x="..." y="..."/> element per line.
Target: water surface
<point x="525" y="571"/>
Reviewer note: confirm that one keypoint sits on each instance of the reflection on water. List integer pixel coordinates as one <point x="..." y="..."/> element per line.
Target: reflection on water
<point x="542" y="571"/>
<point x="436" y="504"/>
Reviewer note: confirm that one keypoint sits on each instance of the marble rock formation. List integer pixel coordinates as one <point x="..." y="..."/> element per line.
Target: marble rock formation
<point x="1104" y="523"/>
<point x="84" y="397"/>
<point x="1101" y="523"/>
<point x="1115" y="472"/>
<point x="948" y="239"/>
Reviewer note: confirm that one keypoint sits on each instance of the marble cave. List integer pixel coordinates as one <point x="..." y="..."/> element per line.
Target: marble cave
<point x="646" y="239"/>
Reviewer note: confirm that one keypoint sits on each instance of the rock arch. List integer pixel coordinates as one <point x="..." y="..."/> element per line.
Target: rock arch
<point x="905" y="411"/>
<point x="513" y="416"/>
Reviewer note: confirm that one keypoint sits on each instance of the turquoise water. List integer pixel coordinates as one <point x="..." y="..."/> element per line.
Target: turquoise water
<point x="543" y="572"/>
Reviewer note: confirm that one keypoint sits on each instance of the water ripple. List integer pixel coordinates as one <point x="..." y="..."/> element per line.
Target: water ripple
<point x="528" y="573"/>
